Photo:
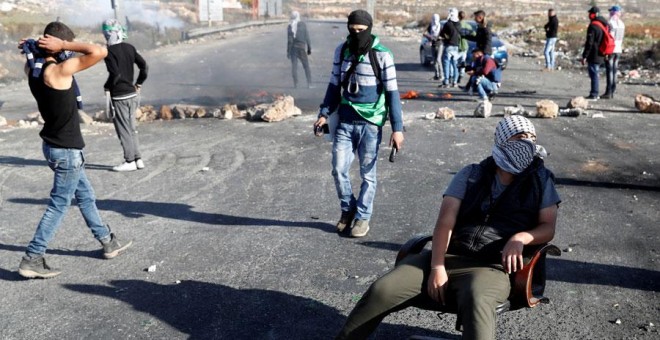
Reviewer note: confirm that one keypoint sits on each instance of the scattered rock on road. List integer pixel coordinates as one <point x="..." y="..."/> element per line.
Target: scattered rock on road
<point x="484" y="109"/>
<point x="578" y="103"/>
<point x="647" y="104"/>
<point x="547" y="109"/>
<point x="85" y="118"/>
<point x="165" y="113"/>
<point x="445" y="113"/>
<point x="3" y="121"/>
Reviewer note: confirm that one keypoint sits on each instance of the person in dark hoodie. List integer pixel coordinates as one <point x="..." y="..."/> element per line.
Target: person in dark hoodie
<point x="591" y="54"/>
<point x="298" y="47"/>
<point x="451" y="39"/>
<point x="124" y="93"/>
<point x="551" y="29"/>
<point x="489" y="212"/>
<point x="483" y="37"/>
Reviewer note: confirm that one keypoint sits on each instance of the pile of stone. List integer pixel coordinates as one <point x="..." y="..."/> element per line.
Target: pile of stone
<point x="281" y="108"/>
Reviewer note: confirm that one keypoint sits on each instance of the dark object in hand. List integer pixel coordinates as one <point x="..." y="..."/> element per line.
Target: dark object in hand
<point x="309" y="51"/>
<point x="322" y="129"/>
<point x="393" y="154"/>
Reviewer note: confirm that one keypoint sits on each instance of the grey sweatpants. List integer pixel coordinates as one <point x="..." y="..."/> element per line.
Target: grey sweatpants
<point x="476" y="287"/>
<point x="125" y="125"/>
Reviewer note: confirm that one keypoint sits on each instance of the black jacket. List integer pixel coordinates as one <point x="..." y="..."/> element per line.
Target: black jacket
<point x="592" y="44"/>
<point x="301" y="40"/>
<point x="483" y="39"/>
<point x="552" y="27"/>
<point x="450" y="34"/>
<point x="119" y="63"/>
<point x="483" y="234"/>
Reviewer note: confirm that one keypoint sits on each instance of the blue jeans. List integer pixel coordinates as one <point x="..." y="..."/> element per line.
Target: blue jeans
<point x="365" y="139"/>
<point x="70" y="181"/>
<point x="611" y="66"/>
<point x="485" y="87"/>
<point x="549" y="53"/>
<point x="449" y="64"/>
<point x="593" y="74"/>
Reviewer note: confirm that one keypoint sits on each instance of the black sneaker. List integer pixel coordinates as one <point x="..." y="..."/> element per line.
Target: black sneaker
<point x="491" y="95"/>
<point x="345" y="220"/>
<point x="592" y="97"/>
<point x="31" y="268"/>
<point x="607" y="95"/>
<point x="113" y="247"/>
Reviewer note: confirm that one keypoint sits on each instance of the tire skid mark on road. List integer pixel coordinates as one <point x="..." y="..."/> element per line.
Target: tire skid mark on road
<point x="219" y="177"/>
<point x="168" y="160"/>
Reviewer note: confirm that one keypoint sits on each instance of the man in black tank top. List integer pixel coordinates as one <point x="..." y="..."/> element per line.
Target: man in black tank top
<point x="53" y="88"/>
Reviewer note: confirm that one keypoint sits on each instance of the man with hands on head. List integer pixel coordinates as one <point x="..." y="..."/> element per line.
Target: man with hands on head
<point x="50" y="71"/>
<point x="363" y="90"/>
<point x="489" y="212"/>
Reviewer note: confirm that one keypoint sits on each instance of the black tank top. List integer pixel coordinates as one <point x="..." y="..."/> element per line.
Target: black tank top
<point x="60" y="113"/>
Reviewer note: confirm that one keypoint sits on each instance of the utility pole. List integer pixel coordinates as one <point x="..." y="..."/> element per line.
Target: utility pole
<point x="118" y="7"/>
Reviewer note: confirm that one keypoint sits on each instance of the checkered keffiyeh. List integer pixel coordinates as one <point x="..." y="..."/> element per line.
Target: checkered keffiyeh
<point x="515" y="156"/>
<point x="511" y="126"/>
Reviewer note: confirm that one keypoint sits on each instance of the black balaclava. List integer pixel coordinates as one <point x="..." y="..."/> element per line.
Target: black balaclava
<point x="360" y="43"/>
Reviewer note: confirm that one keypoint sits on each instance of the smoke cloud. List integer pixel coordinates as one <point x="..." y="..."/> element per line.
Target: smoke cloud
<point x="94" y="12"/>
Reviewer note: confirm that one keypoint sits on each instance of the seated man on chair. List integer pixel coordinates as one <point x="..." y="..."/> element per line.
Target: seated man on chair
<point x="489" y="212"/>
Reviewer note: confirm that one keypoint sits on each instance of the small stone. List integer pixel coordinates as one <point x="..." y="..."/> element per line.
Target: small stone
<point x="578" y="102"/>
<point x="616" y="305"/>
<point x="568" y="250"/>
<point x="206" y="168"/>
<point x="445" y="113"/>
<point x="3" y="121"/>
<point x="617" y="321"/>
<point x="484" y="109"/>
<point x="151" y="268"/>
<point x="429" y="116"/>
<point x="177" y="281"/>
<point x="598" y="115"/>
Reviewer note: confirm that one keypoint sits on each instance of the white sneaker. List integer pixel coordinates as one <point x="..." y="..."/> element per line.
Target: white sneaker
<point x="126" y="166"/>
<point x="139" y="163"/>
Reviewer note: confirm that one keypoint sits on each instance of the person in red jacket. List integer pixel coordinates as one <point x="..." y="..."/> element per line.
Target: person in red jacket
<point x="591" y="54"/>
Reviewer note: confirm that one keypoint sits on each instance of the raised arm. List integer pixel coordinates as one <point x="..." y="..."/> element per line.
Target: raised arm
<point x="60" y="75"/>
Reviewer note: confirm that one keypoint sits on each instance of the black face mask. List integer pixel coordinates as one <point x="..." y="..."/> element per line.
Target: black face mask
<point x="360" y="42"/>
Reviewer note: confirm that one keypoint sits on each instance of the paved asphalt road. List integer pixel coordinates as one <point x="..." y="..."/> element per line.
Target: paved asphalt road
<point x="247" y="249"/>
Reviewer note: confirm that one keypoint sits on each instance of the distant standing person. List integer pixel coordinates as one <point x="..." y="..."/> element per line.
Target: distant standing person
<point x="591" y="54"/>
<point x="451" y="38"/>
<point x="551" y="29"/>
<point x="298" y="46"/>
<point x="464" y="29"/>
<point x="617" y="29"/>
<point x="483" y="37"/>
<point x="433" y="35"/>
<point x="51" y="69"/>
<point x="124" y="93"/>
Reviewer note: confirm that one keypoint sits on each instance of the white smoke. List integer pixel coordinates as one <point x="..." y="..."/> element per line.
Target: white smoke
<point x="94" y="12"/>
